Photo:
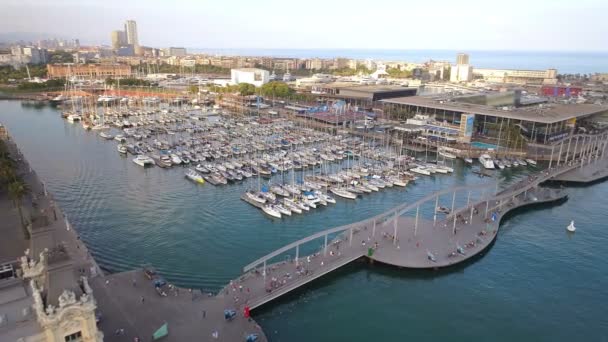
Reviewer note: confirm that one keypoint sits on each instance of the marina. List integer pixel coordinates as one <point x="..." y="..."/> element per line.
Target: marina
<point x="302" y="167"/>
<point x="416" y="190"/>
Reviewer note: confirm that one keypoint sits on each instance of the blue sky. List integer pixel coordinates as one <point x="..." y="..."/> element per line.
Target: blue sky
<point x="390" y="24"/>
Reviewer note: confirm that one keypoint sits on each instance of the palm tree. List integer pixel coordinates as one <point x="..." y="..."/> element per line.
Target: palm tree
<point x="7" y="171"/>
<point x="17" y="189"/>
<point x="3" y="150"/>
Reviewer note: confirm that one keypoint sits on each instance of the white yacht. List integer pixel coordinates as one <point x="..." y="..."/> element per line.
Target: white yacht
<point x="106" y="136"/>
<point x="399" y="182"/>
<point x="175" y="159"/>
<point x="143" y="160"/>
<point x="292" y="189"/>
<point x="271" y="211"/>
<point x="292" y="206"/>
<point x="74" y="118"/>
<point x="486" y="161"/>
<point x="446" y="154"/>
<point x="325" y="197"/>
<point x="99" y="127"/>
<point x="421" y="171"/>
<point x="122" y="149"/>
<point x="571" y="228"/>
<point x="255" y="197"/>
<point x="283" y="210"/>
<point x="343" y="193"/>
<point x="297" y="204"/>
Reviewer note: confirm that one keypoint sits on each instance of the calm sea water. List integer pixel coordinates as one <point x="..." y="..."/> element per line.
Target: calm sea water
<point x="535" y="284"/>
<point x="564" y="62"/>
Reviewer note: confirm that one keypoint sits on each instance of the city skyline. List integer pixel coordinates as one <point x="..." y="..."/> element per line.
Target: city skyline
<point x="385" y="26"/>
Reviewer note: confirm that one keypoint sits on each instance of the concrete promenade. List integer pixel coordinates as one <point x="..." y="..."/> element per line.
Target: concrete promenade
<point x="191" y="316"/>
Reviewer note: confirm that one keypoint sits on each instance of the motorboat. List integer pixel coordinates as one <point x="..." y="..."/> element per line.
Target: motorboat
<point x="486" y="161"/>
<point x="571" y="228"/>
<point x="99" y="127"/>
<point x="531" y="161"/>
<point x="175" y="159"/>
<point x="343" y="193"/>
<point x="143" y="160"/>
<point x="106" y="136"/>
<point x="201" y="169"/>
<point x="122" y="149"/>
<point x="468" y="160"/>
<point x="194" y="176"/>
<point x="164" y="161"/>
<point x="74" y="118"/>
<point x="271" y="211"/>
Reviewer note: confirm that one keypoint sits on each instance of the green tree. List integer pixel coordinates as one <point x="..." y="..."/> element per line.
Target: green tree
<point x="193" y="89"/>
<point x="246" y="89"/>
<point x="276" y="89"/>
<point x="17" y="189"/>
<point x="61" y="57"/>
<point x="48" y="85"/>
<point x="396" y="73"/>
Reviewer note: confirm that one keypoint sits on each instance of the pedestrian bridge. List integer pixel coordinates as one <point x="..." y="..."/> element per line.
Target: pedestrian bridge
<point x="412" y="235"/>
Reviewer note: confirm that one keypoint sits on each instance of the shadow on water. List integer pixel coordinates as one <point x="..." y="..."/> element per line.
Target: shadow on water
<point x="577" y="185"/>
<point x="394" y="272"/>
<point x="363" y="264"/>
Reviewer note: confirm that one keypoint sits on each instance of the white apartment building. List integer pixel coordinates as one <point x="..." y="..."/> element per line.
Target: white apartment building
<point x="257" y="77"/>
<point x="461" y="73"/>
<point x="516" y="76"/>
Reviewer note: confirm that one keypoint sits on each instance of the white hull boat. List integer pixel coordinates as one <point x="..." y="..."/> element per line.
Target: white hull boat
<point x="343" y="194"/>
<point x="271" y="211"/>
<point x="571" y="228"/>
<point x="143" y="161"/>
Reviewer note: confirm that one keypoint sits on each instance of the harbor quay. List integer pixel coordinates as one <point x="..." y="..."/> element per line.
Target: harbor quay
<point x="56" y="289"/>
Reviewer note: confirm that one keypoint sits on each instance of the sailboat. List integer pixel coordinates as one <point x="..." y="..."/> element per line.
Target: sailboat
<point x="571" y="228"/>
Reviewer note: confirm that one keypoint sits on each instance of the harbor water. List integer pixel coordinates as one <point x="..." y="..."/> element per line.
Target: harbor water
<point x="536" y="283"/>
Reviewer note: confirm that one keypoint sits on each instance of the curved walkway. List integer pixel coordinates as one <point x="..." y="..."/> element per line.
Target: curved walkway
<point x="403" y="241"/>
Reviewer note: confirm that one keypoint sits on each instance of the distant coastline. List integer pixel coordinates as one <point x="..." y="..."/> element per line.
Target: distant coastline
<point x="565" y="62"/>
